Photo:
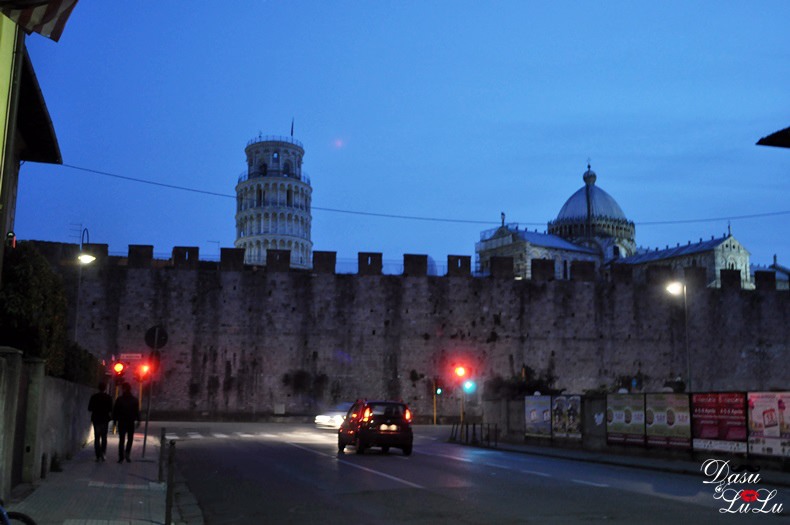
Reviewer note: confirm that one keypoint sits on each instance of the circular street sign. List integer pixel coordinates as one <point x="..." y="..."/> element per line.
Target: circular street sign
<point x="156" y="337"/>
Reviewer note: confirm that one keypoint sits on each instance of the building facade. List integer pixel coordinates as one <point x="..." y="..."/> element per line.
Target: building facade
<point x="714" y="255"/>
<point x="592" y="227"/>
<point x="273" y="202"/>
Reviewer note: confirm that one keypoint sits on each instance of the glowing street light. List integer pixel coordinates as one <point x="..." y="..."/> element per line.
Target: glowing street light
<point x="83" y="258"/>
<point x="678" y="288"/>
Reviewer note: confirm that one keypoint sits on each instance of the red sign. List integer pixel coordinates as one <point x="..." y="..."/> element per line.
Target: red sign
<point x="719" y="421"/>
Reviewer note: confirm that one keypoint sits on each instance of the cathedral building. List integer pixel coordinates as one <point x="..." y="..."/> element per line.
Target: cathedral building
<point x="592" y="227"/>
<point x="273" y="202"/>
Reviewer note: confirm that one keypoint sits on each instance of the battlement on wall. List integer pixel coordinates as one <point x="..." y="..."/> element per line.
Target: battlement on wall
<point x="371" y="264"/>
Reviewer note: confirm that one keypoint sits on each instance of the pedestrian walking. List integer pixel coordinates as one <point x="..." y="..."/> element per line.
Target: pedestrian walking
<point x="100" y="407"/>
<point x="125" y="413"/>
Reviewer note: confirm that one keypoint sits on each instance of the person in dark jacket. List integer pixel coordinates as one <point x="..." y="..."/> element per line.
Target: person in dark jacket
<point x="100" y="407"/>
<point x="125" y="412"/>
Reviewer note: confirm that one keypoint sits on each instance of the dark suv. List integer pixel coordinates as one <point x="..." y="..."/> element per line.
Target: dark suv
<point x="382" y="424"/>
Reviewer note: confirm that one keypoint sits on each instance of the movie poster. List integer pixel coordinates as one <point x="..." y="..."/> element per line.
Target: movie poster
<point x="537" y="414"/>
<point x="566" y="417"/>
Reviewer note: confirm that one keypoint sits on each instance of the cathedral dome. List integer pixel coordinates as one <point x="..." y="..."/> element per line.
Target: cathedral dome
<point x="601" y="204"/>
<point x="591" y="217"/>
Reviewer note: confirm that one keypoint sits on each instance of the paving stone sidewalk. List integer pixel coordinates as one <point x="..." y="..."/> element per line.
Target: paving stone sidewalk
<point x="87" y="492"/>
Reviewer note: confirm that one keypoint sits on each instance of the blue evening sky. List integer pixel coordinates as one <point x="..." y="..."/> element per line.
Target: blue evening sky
<point x="451" y="110"/>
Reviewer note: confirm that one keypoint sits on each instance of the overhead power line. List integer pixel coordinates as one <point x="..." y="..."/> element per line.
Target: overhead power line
<point x="413" y="217"/>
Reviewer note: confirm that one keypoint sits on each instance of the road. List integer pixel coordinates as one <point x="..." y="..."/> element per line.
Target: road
<point x="283" y="473"/>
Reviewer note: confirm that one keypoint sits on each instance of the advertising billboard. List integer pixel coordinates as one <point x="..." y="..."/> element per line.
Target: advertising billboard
<point x="719" y="422"/>
<point x="668" y="420"/>
<point x="625" y="419"/>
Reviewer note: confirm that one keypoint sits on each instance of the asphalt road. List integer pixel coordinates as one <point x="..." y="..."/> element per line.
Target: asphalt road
<point x="278" y="473"/>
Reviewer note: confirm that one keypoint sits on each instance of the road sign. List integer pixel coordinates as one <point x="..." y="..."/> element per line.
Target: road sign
<point x="130" y="357"/>
<point x="156" y="337"/>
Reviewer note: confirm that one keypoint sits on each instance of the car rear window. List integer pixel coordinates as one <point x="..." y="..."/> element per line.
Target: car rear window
<point x="387" y="409"/>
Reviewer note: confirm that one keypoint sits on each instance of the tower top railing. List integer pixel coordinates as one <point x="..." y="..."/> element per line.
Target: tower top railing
<point x="248" y="175"/>
<point x="274" y="138"/>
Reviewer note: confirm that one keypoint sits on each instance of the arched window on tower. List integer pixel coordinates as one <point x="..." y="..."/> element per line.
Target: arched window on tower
<point x="616" y="251"/>
<point x="276" y="157"/>
<point x="290" y="197"/>
<point x="264" y="168"/>
<point x="287" y="168"/>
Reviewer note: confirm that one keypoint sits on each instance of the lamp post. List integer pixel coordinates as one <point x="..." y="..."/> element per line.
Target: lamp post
<point x="678" y="288"/>
<point x="83" y="258"/>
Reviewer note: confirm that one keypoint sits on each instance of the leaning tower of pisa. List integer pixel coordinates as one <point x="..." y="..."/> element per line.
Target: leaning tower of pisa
<point x="273" y="198"/>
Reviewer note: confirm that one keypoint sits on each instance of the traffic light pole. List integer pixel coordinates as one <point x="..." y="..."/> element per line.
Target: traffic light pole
<point x="463" y="394"/>
<point x="147" y="414"/>
<point x="434" y="401"/>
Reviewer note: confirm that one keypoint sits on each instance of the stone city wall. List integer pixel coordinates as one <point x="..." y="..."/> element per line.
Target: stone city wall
<point x="251" y="342"/>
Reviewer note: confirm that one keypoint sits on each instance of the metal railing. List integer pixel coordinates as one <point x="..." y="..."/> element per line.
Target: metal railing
<point x="482" y="434"/>
<point x="248" y="175"/>
<point x="274" y="138"/>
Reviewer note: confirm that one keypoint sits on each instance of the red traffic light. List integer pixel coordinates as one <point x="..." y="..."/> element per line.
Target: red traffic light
<point x="460" y="371"/>
<point x="118" y="368"/>
<point x="142" y="372"/>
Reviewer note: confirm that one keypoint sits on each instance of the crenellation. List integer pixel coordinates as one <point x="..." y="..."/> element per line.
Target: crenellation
<point x="263" y="342"/>
<point x="369" y="263"/>
<point x="730" y="279"/>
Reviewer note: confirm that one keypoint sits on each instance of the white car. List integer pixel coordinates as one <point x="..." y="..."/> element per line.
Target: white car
<point x="333" y="417"/>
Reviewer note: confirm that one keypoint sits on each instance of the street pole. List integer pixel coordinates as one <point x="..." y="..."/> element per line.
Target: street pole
<point x="462" y="407"/>
<point x="686" y="327"/>
<point x="434" y="401"/>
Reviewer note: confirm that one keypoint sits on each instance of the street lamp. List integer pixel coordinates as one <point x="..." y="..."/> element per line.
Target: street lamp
<point x="678" y="288"/>
<point x="83" y="258"/>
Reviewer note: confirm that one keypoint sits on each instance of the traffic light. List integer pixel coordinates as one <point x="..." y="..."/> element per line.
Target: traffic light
<point x="464" y="375"/>
<point x="118" y="369"/>
<point x="143" y="372"/>
<point x="438" y="388"/>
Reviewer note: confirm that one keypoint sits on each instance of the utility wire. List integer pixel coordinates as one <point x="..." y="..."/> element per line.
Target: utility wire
<point x="412" y="217"/>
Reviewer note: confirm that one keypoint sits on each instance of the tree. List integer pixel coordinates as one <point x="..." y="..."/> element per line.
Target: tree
<point x="33" y="307"/>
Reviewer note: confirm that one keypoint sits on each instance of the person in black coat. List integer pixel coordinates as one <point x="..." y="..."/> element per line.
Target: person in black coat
<point x="125" y="413"/>
<point x="100" y="407"/>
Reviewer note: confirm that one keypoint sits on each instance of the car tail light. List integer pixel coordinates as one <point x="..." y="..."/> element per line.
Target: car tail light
<point x="407" y="415"/>
<point x="366" y="415"/>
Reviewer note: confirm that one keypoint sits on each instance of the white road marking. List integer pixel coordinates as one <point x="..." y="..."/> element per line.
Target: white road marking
<point x="589" y="483"/>
<point x="218" y="435"/>
<point x="376" y="472"/>
<point x="536" y="473"/>
<point x="194" y="435"/>
<point x="171" y="437"/>
<point x="446" y="456"/>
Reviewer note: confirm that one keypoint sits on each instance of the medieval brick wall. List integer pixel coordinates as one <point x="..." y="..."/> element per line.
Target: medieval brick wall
<point x="247" y="342"/>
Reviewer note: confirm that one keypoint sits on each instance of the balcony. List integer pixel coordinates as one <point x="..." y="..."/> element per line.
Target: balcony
<point x="249" y="175"/>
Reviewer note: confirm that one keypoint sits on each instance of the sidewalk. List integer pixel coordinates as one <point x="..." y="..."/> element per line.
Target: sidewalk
<point x="770" y="472"/>
<point x="87" y="492"/>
